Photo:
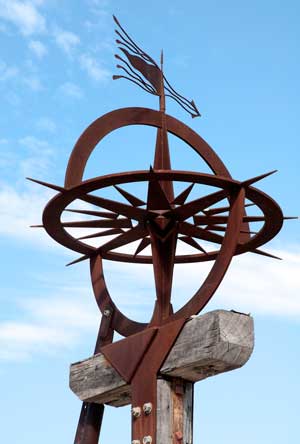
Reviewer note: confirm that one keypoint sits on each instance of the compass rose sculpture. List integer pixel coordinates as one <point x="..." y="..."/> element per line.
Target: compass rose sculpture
<point x="215" y="226"/>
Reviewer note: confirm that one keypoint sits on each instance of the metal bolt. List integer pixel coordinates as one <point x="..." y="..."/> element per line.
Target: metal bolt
<point x="106" y="313"/>
<point x="136" y="412"/>
<point x="179" y="436"/>
<point x="147" y="408"/>
<point x="147" y="440"/>
<point x="136" y="441"/>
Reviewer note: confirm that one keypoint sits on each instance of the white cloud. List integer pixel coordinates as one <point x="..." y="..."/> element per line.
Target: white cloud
<point x="252" y="284"/>
<point x="24" y="15"/>
<point x="19" y="210"/>
<point x="265" y="286"/>
<point x="52" y="323"/>
<point x="49" y="325"/>
<point x="66" y="40"/>
<point x="29" y="156"/>
<point x="7" y="72"/>
<point x="12" y="73"/>
<point x="93" y="68"/>
<point x="36" y="146"/>
<point x="72" y="90"/>
<point x="38" y="48"/>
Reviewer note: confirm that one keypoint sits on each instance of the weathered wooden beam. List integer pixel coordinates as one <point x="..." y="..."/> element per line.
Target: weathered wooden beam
<point x="209" y="344"/>
<point x="174" y="411"/>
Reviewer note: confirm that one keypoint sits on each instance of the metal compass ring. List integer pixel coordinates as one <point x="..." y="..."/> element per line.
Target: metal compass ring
<point x="54" y="209"/>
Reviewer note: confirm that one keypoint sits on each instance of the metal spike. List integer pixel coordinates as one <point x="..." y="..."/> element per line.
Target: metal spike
<point x="135" y="201"/>
<point x="214" y="220"/>
<point x="98" y="223"/>
<point x="48" y="185"/>
<point x="115" y="207"/>
<point x="156" y="199"/>
<point x="215" y="228"/>
<point x="199" y="233"/>
<point x="102" y="233"/>
<point x="190" y="241"/>
<point x="104" y="214"/>
<point x="219" y="210"/>
<point x="143" y="244"/>
<point x="248" y="182"/>
<point x="264" y="253"/>
<point x="130" y="236"/>
<point x="219" y="228"/>
<point x="189" y="209"/>
<point x="181" y="198"/>
<point x="80" y="259"/>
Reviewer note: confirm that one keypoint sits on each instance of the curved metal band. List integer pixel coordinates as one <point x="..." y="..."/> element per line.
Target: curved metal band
<point x="119" y="118"/>
<point x="110" y="122"/>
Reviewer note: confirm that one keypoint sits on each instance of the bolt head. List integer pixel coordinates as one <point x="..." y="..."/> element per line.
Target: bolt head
<point x="136" y="441"/>
<point x="136" y="412"/>
<point x="147" y="408"/>
<point x="179" y="436"/>
<point x="106" y="313"/>
<point x="147" y="440"/>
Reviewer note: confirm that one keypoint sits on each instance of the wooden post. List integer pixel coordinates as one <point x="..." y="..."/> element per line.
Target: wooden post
<point x="174" y="411"/>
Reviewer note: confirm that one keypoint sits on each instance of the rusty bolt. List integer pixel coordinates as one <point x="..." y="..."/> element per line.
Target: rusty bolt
<point x="147" y="440"/>
<point x="179" y="436"/>
<point x="147" y="408"/>
<point x="136" y="412"/>
<point x="106" y="313"/>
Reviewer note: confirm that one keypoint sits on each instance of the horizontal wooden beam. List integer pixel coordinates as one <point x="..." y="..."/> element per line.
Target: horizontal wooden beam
<point x="213" y="343"/>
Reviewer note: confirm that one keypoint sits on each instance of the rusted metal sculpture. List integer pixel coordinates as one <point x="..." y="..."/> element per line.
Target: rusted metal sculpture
<point x="158" y="222"/>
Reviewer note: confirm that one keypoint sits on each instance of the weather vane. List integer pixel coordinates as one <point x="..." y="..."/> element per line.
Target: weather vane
<point x="214" y="226"/>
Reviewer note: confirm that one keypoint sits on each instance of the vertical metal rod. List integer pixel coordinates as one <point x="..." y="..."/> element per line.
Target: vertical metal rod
<point x="91" y="415"/>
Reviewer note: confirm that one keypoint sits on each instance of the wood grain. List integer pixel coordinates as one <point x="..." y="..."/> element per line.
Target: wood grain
<point x="213" y="343"/>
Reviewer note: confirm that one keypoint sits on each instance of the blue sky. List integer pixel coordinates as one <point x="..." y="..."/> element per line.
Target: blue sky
<point x="239" y="61"/>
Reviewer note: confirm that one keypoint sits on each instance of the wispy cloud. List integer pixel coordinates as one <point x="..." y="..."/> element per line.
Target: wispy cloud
<point x="29" y="77"/>
<point x="264" y="286"/>
<point x="99" y="7"/>
<point x="252" y="284"/>
<point x="19" y="210"/>
<point x="66" y="40"/>
<point x="70" y="89"/>
<point x="93" y="68"/>
<point x="33" y="82"/>
<point x="19" y="339"/>
<point x="21" y="202"/>
<point x="38" y="48"/>
<point x="48" y="325"/>
<point x="25" y="15"/>
<point x="7" y="72"/>
<point x="36" y="146"/>
<point x="51" y="323"/>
